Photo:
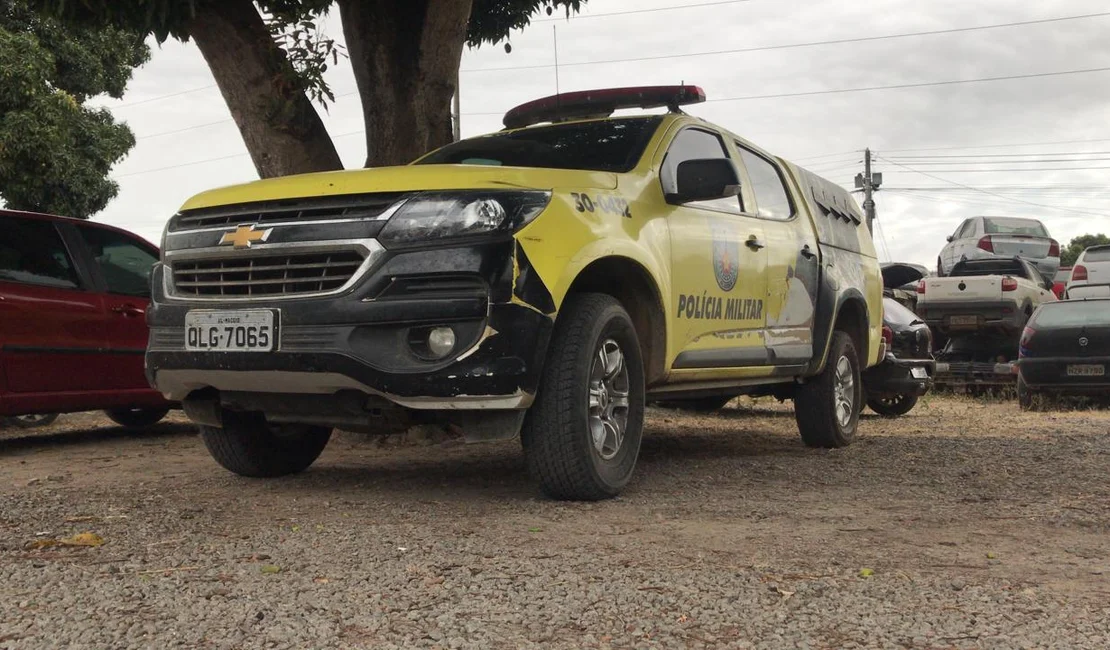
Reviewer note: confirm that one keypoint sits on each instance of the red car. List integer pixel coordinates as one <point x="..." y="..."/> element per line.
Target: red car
<point x="73" y="300"/>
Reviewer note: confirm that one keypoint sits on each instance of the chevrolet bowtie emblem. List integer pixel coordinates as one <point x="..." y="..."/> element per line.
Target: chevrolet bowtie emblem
<point x="244" y="236"/>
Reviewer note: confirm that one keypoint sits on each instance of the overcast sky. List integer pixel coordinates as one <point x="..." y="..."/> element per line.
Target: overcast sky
<point x="188" y="143"/>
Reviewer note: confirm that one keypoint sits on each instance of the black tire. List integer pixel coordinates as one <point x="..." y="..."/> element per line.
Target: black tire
<point x="816" y="402"/>
<point x="559" y="445"/>
<point x="697" y="404"/>
<point x="249" y="446"/>
<point x="136" y="418"/>
<point x="32" y="421"/>
<point x="1028" y="399"/>
<point x="893" y="406"/>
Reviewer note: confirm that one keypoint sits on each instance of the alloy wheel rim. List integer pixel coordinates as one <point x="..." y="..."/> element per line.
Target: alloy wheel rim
<point x="608" y="405"/>
<point x="844" y="392"/>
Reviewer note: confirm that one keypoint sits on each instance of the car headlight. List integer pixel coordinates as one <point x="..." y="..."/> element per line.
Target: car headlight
<point x="431" y="216"/>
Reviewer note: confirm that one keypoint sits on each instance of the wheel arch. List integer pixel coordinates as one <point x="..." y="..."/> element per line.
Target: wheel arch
<point x="849" y="315"/>
<point x="631" y="284"/>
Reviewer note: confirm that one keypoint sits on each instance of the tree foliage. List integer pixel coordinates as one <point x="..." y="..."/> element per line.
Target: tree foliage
<point x="1079" y="244"/>
<point x="55" y="152"/>
<point x="405" y="54"/>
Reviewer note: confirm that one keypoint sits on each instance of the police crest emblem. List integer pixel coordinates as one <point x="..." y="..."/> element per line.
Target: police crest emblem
<point x="726" y="258"/>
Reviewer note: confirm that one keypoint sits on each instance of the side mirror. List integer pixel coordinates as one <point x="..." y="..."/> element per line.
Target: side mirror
<point x="951" y="237"/>
<point x="705" y="179"/>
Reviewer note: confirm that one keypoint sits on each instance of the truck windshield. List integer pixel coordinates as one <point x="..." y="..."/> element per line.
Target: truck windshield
<point x="1009" y="226"/>
<point x="598" y="145"/>
<point x="1072" y="313"/>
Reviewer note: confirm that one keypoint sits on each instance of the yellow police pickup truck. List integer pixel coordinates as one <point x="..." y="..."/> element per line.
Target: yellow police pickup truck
<point x="548" y="280"/>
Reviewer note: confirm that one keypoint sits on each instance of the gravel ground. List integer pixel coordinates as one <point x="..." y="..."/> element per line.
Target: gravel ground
<point x="963" y="525"/>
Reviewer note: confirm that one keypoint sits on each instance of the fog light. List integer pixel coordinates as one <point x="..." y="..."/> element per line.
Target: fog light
<point x="441" y="340"/>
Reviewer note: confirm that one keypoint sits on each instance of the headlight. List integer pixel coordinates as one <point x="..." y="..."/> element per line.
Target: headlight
<point x="430" y="216"/>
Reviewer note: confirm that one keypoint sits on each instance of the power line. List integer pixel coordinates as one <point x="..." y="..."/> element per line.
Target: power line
<point x="1003" y="155"/>
<point x="913" y="85"/>
<point x="1014" y="169"/>
<point x="641" y="11"/>
<point x="997" y="146"/>
<point x="787" y="46"/>
<point x="997" y="162"/>
<point x="161" y="97"/>
<point x="988" y="192"/>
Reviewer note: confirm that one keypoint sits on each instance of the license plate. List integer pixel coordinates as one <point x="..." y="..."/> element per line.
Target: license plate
<point x="963" y="320"/>
<point x="1086" y="370"/>
<point x="230" y="331"/>
<point x="918" y="373"/>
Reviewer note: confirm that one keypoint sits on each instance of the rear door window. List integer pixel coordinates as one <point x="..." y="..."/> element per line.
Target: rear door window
<point x="124" y="263"/>
<point x="32" y="252"/>
<point x="773" y="202"/>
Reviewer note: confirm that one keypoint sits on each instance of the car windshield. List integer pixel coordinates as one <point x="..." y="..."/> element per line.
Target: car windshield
<point x="1072" y="313"/>
<point x="1012" y="226"/>
<point x="1099" y="254"/>
<point x="598" y="145"/>
<point x="896" y="314"/>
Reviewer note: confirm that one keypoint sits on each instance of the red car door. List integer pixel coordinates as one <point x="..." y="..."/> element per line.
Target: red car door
<point x="121" y="264"/>
<point x="51" y="323"/>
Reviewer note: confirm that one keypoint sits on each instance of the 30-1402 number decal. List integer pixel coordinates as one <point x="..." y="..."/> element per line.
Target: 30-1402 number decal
<point x="607" y="203"/>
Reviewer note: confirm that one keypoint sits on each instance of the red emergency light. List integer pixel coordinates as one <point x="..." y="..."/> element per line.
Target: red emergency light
<point x="600" y="103"/>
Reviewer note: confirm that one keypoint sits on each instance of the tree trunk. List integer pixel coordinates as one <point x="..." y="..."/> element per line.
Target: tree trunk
<point x="280" y="126"/>
<point x="406" y="58"/>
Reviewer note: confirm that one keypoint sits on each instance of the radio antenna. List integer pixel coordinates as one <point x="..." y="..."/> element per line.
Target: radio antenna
<point x="555" y="40"/>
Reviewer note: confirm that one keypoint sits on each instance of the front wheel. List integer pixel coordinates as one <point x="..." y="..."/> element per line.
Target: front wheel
<point x="248" y="445"/>
<point x="582" y="435"/>
<point x="136" y="418"/>
<point x="827" y="407"/>
<point x="34" y="420"/>
<point x="892" y="406"/>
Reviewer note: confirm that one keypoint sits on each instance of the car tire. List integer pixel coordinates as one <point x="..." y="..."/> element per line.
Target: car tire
<point x="893" y="406"/>
<point x="32" y="421"/>
<point x="697" y="404"/>
<point x="827" y="407"/>
<point x="581" y="437"/>
<point x="1028" y="399"/>
<point x="136" y="418"/>
<point x="249" y="446"/>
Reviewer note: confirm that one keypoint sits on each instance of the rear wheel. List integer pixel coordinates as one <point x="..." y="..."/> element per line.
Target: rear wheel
<point x="136" y="418"/>
<point x="892" y="406"/>
<point x="698" y="404"/>
<point x="1028" y="399"/>
<point x="827" y="407"/>
<point x="34" y="420"/>
<point x="249" y="446"/>
<point x="582" y="436"/>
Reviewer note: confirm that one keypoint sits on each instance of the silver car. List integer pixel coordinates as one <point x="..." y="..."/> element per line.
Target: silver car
<point x="1001" y="237"/>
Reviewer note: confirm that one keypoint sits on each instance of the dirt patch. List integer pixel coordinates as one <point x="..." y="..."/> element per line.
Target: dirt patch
<point x="964" y="524"/>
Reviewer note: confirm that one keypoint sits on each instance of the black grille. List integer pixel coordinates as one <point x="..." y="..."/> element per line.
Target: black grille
<point x="367" y="206"/>
<point x="270" y="275"/>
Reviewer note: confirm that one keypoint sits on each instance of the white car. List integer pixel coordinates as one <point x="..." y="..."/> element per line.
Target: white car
<point x="980" y="238"/>
<point x="1090" y="276"/>
<point x="983" y="295"/>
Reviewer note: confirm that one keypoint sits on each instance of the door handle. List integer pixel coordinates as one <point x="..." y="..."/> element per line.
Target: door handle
<point x="808" y="253"/>
<point x="128" y="311"/>
<point x="754" y="243"/>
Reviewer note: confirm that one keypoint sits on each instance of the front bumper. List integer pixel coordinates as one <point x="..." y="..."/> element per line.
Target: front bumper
<point x="895" y="376"/>
<point x="360" y="340"/>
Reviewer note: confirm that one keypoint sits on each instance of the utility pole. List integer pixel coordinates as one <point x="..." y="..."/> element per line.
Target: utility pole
<point x="869" y="183"/>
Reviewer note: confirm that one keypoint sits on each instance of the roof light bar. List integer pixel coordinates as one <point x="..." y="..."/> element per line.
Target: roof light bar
<point x="600" y="103"/>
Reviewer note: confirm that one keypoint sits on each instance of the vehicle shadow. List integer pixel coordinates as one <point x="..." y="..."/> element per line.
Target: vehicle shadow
<point x="25" y="439"/>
